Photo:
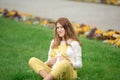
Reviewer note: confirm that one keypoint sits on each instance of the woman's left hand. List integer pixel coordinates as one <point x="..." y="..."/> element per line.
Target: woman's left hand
<point x="51" y="62"/>
<point x="61" y="58"/>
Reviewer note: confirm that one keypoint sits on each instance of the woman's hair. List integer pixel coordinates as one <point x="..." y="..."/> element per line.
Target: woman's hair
<point x="69" y="32"/>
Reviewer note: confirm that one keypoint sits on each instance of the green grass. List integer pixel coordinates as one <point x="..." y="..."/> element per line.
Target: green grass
<point x="19" y="42"/>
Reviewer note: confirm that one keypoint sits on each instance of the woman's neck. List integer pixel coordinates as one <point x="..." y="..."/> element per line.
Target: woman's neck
<point x="63" y="39"/>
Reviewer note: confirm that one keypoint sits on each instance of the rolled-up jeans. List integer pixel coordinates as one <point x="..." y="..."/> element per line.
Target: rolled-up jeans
<point x="63" y="71"/>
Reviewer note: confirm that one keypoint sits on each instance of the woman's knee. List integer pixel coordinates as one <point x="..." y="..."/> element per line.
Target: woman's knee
<point x="65" y="63"/>
<point x="31" y="60"/>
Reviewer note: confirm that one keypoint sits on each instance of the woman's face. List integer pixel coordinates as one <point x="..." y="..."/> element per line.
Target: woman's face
<point x="60" y="30"/>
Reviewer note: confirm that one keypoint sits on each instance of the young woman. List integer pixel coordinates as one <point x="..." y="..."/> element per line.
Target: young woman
<point x="64" y="56"/>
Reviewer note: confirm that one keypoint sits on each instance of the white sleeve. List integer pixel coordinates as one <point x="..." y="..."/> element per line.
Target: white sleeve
<point x="77" y="55"/>
<point x="50" y="49"/>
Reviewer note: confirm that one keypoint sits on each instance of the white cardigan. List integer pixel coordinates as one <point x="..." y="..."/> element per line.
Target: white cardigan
<point x="74" y="53"/>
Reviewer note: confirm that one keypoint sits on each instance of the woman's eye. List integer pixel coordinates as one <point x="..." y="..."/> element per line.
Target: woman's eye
<point x="57" y="27"/>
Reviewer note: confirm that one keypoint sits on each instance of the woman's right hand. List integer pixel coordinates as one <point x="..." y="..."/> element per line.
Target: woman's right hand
<point x="51" y="62"/>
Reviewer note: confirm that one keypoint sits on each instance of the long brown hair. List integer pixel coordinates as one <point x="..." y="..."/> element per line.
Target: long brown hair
<point x="69" y="32"/>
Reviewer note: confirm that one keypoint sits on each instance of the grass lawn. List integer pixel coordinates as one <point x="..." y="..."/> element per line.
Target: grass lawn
<point x="19" y="42"/>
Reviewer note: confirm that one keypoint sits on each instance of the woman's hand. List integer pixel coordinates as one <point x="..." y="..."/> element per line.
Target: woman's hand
<point x="51" y="62"/>
<point x="61" y="58"/>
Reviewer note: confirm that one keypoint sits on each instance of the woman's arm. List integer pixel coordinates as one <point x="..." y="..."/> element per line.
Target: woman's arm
<point x="50" y="49"/>
<point x="76" y="54"/>
<point x="50" y="61"/>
